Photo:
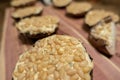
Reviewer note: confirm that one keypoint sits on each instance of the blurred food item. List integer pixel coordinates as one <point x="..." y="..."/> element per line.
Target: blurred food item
<point x="78" y="8"/>
<point x="61" y="3"/>
<point x="57" y="57"/>
<point x="36" y="27"/>
<point x="95" y="16"/>
<point x="18" y="3"/>
<point x="27" y="12"/>
<point x="47" y="2"/>
<point x="103" y="37"/>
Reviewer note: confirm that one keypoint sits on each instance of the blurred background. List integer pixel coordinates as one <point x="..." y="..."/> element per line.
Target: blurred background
<point x="3" y="5"/>
<point x="112" y="5"/>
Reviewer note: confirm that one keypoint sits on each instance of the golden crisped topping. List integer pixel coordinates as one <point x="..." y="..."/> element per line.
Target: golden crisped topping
<point x="17" y="3"/>
<point x="21" y="13"/>
<point x="105" y="32"/>
<point x="114" y="16"/>
<point x="94" y="16"/>
<point x="61" y="3"/>
<point x="78" y="7"/>
<point x="36" y="25"/>
<point x="56" y="57"/>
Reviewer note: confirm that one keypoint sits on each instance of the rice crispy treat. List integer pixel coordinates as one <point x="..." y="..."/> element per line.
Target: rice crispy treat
<point x="61" y="3"/>
<point x="103" y="37"/>
<point x="38" y="25"/>
<point x="95" y="16"/>
<point x="78" y="8"/>
<point x="18" y="3"/>
<point x="56" y="57"/>
<point x="28" y="11"/>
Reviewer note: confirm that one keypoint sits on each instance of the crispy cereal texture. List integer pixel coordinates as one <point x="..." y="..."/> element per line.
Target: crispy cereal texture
<point x="17" y="3"/>
<point x="95" y="16"/>
<point x="37" y="25"/>
<point x="61" y="3"/>
<point x="102" y="36"/>
<point x="57" y="57"/>
<point x="78" y="8"/>
<point x="28" y="11"/>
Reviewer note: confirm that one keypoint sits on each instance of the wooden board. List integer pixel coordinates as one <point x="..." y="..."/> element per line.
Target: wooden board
<point x="13" y="45"/>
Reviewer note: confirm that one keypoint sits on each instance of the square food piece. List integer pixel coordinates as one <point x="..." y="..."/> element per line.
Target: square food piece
<point x="36" y="27"/>
<point x="26" y="12"/>
<point x="57" y="57"/>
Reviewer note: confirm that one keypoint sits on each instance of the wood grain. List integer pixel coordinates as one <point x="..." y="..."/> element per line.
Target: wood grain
<point x="2" y="56"/>
<point x="79" y="25"/>
<point x="113" y="61"/>
<point x="14" y="44"/>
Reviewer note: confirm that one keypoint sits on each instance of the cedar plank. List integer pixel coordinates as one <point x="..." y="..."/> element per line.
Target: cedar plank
<point x="78" y="25"/>
<point x="14" y="47"/>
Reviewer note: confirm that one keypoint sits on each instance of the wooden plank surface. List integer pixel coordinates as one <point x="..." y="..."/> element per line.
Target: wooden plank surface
<point x="81" y="28"/>
<point x="14" y="44"/>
